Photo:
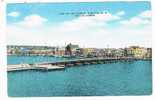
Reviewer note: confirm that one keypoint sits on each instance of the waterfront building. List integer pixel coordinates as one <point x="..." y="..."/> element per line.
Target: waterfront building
<point x="61" y="51"/>
<point x="109" y="52"/>
<point x="29" y="50"/>
<point x="72" y="50"/>
<point x="149" y="53"/>
<point x="76" y="51"/>
<point x="41" y="52"/>
<point x="88" y="52"/>
<point x="119" y="52"/>
<point x="138" y="52"/>
<point x="99" y="52"/>
<point x="128" y="52"/>
<point x="24" y="51"/>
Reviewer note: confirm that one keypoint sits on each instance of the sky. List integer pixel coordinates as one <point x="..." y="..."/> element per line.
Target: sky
<point x="112" y="24"/>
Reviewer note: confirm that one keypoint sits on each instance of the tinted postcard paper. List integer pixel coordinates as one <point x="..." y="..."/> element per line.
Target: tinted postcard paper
<point x="79" y="49"/>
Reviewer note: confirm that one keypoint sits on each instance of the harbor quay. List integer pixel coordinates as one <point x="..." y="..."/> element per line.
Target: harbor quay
<point x="73" y="50"/>
<point x="46" y="66"/>
<point x="75" y="55"/>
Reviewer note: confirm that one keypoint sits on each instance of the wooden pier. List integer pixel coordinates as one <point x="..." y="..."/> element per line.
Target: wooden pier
<point x="67" y="63"/>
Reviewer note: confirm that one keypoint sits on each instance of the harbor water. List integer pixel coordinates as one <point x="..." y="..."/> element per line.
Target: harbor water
<point x="111" y="79"/>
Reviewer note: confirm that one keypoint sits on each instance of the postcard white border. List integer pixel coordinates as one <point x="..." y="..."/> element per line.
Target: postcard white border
<point x="3" y="73"/>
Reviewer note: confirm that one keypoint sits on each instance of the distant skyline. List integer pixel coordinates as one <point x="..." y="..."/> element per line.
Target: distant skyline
<point x="122" y="24"/>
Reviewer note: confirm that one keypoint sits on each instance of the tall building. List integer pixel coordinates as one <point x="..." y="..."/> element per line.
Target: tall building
<point x="72" y="50"/>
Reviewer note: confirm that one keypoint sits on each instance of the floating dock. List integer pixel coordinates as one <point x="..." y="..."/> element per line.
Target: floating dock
<point x="68" y="63"/>
<point x="22" y="67"/>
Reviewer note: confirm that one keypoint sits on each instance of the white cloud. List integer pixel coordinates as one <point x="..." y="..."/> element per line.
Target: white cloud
<point x="85" y="31"/>
<point x="120" y="13"/>
<point x="135" y="22"/>
<point x="142" y="19"/>
<point x="32" y="21"/>
<point x="146" y="14"/>
<point x="14" y="14"/>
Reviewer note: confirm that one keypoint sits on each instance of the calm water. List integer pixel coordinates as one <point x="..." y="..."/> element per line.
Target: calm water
<point x="121" y="78"/>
